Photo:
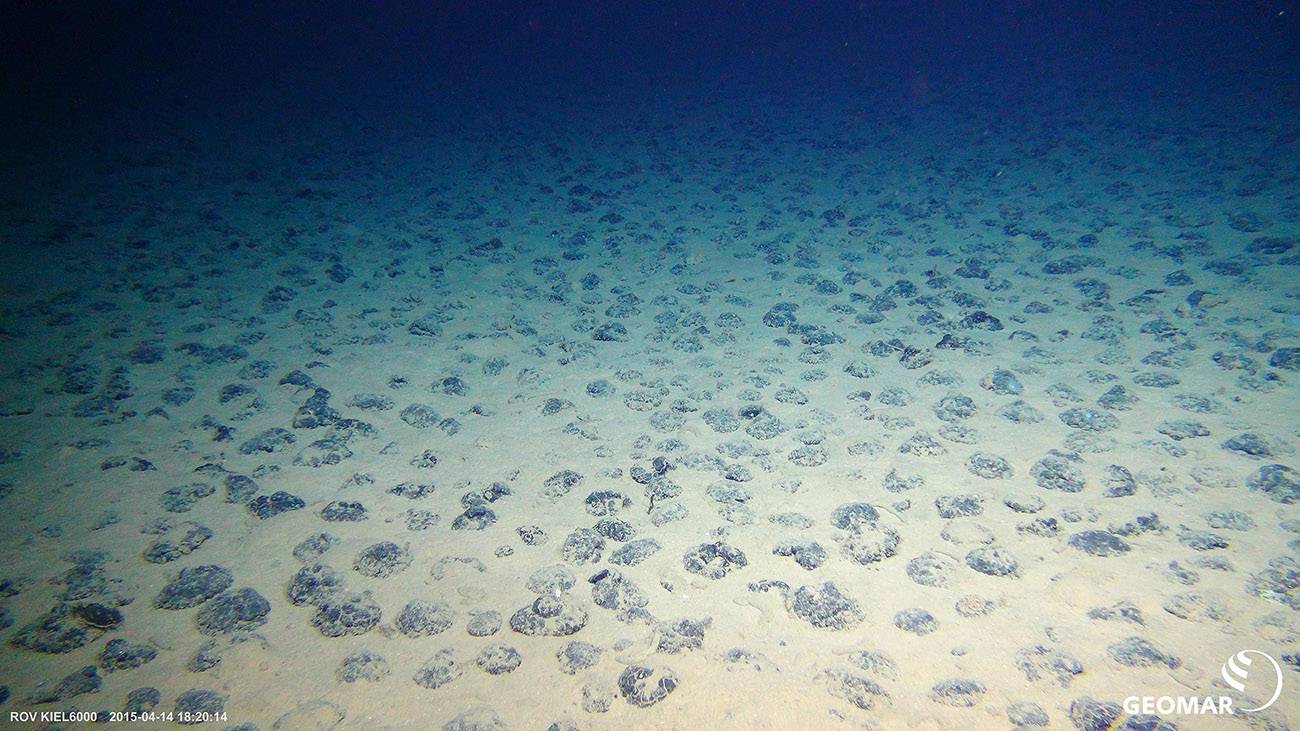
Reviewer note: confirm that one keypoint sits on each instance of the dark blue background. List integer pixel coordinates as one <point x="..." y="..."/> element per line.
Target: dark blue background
<point x="89" y="58"/>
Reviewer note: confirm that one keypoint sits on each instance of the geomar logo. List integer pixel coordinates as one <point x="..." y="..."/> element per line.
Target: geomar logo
<point x="1235" y="673"/>
<point x="1237" y="669"/>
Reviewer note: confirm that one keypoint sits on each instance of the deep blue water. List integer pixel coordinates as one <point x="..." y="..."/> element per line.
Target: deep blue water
<point x="163" y="58"/>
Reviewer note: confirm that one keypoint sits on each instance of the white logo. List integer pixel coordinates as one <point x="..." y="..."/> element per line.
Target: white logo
<point x="1236" y="669"/>
<point x="1234" y="673"/>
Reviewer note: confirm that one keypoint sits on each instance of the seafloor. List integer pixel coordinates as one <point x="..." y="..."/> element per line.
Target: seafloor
<point x="930" y="409"/>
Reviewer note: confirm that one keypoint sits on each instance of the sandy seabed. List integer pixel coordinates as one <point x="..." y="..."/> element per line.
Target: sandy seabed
<point x="742" y="413"/>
